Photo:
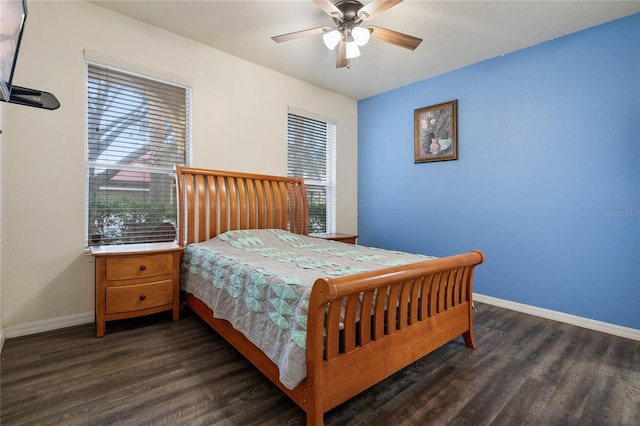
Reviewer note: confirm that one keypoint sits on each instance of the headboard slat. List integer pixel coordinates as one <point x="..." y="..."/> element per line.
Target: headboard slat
<point x="233" y="204"/>
<point x="251" y="194"/>
<point x="212" y="202"/>
<point x="202" y="207"/>
<point x="268" y="192"/>
<point x="191" y="213"/>
<point x="223" y="214"/>
<point x="301" y="206"/>
<point x="212" y="216"/>
<point x="284" y="207"/>
<point x="261" y="212"/>
<point x="242" y="207"/>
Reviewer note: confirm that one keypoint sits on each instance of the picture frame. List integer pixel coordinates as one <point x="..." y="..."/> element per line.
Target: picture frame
<point x="436" y="132"/>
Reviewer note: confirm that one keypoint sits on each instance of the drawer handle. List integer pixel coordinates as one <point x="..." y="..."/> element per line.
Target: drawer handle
<point x="143" y="268"/>
<point x="142" y="297"/>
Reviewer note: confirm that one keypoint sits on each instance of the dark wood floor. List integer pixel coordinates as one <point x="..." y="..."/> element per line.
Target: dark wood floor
<point x="526" y="370"/>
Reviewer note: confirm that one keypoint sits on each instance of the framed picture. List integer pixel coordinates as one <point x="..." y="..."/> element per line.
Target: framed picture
<point x="436" y="132"/>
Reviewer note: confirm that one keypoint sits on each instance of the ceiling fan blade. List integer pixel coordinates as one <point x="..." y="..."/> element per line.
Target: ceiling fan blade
<point x="329" y="8"/>
<point x="298" y="34"/>
<point x="376" y="7"/>
<point x="394" y="37"/>
<point x="342" y="60"/>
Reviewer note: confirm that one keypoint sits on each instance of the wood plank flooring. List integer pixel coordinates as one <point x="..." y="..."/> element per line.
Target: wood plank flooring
<point x="146" y="371"/>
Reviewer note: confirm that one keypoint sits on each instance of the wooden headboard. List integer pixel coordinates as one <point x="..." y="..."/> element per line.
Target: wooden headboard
<point x="211" y="202"/>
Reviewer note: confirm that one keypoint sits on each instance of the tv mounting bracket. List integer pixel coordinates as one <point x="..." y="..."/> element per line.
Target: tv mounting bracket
<point x="33" y="98"/>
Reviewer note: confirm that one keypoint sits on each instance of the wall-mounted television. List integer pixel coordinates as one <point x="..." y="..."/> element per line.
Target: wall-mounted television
<point x="13" y="14"/>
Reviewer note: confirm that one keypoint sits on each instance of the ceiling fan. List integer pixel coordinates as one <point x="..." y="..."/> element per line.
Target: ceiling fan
<point x="348" y="34"/>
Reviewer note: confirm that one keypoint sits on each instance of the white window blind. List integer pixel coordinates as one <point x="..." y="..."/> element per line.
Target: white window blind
<point x="137" y="131"/>
<point x="311" y="144"/>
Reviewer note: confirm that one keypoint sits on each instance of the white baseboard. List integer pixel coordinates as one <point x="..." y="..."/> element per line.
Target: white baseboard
<point x="50" y="324"/>
<point x="1" y="339"/>
<point x="616" y="330"/>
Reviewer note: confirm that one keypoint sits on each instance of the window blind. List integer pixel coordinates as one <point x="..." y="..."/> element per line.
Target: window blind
<point x="311" y="156"/>
<point x="137" y="131"/>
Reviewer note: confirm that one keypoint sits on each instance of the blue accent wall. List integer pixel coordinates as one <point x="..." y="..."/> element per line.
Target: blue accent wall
<point x="547" y="182"/>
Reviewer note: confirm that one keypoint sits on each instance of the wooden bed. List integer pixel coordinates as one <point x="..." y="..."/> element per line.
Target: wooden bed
<point x="432" y="299"/>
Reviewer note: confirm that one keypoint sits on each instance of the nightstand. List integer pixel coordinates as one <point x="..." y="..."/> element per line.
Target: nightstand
<point x="136" y="279"/>
<point x="343" y="238"/>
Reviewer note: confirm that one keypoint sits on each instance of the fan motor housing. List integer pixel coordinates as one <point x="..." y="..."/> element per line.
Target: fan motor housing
<point x="349" y="9"/>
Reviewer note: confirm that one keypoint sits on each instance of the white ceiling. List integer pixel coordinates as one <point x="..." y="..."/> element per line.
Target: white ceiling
<point x="455" y="34"/>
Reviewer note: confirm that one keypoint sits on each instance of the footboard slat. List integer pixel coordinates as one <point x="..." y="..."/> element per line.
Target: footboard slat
<point x="378" y="316"/>
<point x="332" y="341"/>
<point x="442" y="291"/>
<point x="450" y="289"/>
<point x="391" y="307"/>
<point x="350" y="319"/>
<point x="433" y="296"/>
<point x="404" y="305"/>
<point x="415" y="304"/>
<point x="457" y="294"/>
<point x="425" y="297"/>
<point x="366" y="326"/>
<point x="465" y="293"/>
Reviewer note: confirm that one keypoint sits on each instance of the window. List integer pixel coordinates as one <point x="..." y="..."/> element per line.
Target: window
<point x="311" y="144"/>
<point x="137" y="130"/>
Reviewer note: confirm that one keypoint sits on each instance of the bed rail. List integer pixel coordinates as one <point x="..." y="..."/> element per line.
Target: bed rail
<point x="213" y="202"/>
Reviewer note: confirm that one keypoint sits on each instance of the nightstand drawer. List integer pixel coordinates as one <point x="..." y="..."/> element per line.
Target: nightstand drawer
<point x="129" y="267"/>
<point x="140" y="296"/>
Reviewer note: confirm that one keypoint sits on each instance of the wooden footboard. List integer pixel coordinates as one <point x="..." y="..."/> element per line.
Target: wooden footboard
<point x="414" y="310"/>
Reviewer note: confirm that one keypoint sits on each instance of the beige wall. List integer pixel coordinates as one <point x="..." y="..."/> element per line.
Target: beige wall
<point x="239" y="123"/>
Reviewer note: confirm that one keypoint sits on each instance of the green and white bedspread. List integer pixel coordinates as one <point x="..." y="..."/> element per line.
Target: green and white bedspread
<point x="260" y="281"/>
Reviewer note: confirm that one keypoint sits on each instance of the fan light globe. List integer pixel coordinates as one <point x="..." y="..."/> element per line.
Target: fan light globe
<point x="331" y="39"/>
<point x="361" y="35"/>
<point x="352" y="50"/>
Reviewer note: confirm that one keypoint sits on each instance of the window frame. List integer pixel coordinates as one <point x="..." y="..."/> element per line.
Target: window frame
<point x="330" y="184"/>
<point x="142" y="72"/>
